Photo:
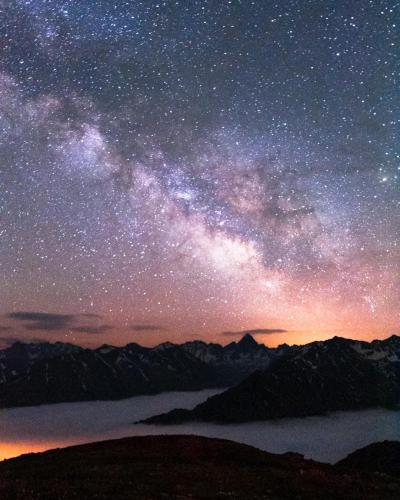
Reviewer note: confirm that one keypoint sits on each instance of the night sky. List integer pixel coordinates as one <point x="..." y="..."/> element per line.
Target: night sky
<point x="195" y="169"/>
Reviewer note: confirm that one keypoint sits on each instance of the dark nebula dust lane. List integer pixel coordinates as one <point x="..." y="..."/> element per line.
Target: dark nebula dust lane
<point x="175" y="169"/>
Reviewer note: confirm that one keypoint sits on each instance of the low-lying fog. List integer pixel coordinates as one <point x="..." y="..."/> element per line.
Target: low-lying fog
<point x="327" y="439"/>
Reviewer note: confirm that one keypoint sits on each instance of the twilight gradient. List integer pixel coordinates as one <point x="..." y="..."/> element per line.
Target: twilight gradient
<point x="181" y="169"/>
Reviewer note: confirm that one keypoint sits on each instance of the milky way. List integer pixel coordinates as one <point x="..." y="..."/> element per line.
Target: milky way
<point x="181" y="169"/>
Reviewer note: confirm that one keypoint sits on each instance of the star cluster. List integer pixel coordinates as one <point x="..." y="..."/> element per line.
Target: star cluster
<point x="178" y="169"/>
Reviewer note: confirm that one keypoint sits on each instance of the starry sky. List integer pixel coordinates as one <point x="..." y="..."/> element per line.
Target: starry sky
<point x="173" y="170"/>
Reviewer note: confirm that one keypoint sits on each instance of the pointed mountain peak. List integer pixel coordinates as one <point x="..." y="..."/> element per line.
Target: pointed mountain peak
<point x="247" y="341"/>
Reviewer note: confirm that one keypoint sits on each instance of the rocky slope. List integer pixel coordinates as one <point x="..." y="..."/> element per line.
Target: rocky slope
<point x="32" y="374"/>
<point x="182" y="467"/>
<point x="337" y="374"/>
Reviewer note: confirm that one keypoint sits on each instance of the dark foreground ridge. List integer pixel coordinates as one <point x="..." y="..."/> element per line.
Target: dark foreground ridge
<point x="382" y="457"/>
<point x="183" y="467"/>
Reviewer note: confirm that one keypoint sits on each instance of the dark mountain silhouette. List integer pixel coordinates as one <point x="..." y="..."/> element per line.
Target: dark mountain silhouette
<point x="337" y="374"/>
<point x="184" y="467"/>
<point x="381" y="457"/>
<point x="39" y="373"/>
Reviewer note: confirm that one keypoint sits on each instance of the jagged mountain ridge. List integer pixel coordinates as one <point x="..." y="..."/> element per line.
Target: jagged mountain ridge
<point x="236" y="360"/>
<point x="40" y="373"/>
<point x="20" y="356"/>
<point x="320" y="377"/>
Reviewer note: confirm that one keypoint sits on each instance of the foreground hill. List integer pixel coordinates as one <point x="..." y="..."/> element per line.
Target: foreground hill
<point x="183" y="467"/>
<point x="337" y="374"/>
<point x="382" y="457"/>
<point x="40" y="373"/>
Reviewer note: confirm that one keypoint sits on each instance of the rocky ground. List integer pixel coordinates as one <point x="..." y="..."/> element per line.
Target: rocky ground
<point x="182" y="467"/>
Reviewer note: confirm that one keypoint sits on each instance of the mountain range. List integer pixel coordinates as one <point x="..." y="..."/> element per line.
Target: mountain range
<point x="313" y="379"/>
<point x="263" y="383"/>
<point x="40" y="373"/>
